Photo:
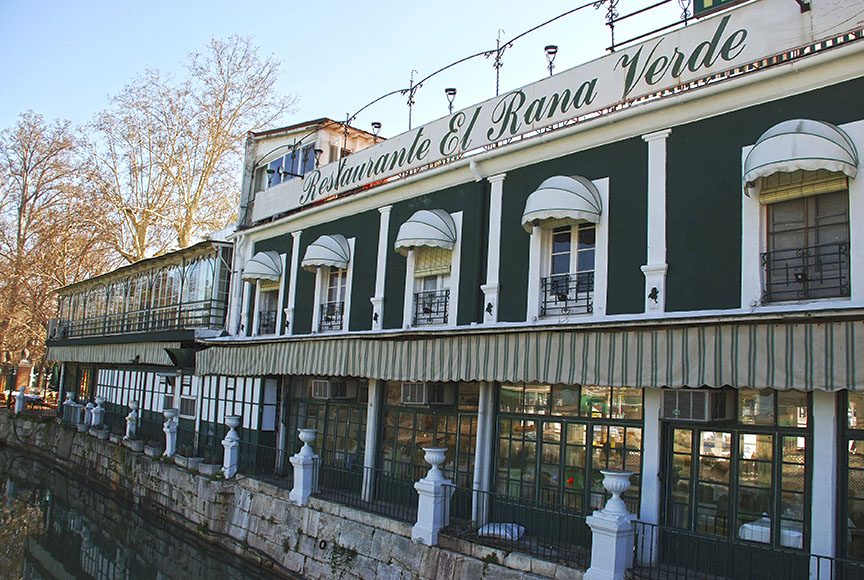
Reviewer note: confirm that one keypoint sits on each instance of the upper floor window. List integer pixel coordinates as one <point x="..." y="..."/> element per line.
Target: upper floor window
<point x="798" y="171"/>
<point x="564" y="216"/>
<point x="428" y="240"/>
<point x="264" y="270"/>
<point x="296" y="163"/>
<point x="329" y="257"/>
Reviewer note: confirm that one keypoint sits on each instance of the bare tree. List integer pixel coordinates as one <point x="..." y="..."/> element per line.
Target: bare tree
<point x="166" y="158"/>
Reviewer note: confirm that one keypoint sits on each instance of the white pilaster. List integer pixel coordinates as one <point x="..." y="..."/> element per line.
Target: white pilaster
<point x="280" y="297"/>
<point x="316" y="301"/>
<point x="483" y="453"/>
<point x="493" y="257"/>
<point x="649" y="507"/>
<point x="305" y="464"/>
<point x="534" y="256"/>
<point x="823" y="516"/>
<point x="655" y="269"/>
<point x="256" y="308"/>
<point x="370" y="450"/>
<point x="292" y="282"/>
<point x="244" y="310"/>
<point x="408" y="306"/>
<point x="381" y="268"/>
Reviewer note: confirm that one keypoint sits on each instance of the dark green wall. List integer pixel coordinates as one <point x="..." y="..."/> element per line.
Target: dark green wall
<point x="625" y="164"/>
<point x="704" y="195"/>
<point x="363" y="227"/>
<point x="282" y="245"/>
<point x="472" y="200"/>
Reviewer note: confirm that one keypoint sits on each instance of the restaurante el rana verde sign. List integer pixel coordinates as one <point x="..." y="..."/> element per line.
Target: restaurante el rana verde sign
<point x="707" y="47"/>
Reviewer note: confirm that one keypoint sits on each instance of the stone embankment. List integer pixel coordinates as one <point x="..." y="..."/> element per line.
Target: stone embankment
<point x="256" y="521"/>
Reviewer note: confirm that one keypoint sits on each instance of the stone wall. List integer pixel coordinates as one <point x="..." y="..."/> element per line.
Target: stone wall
<point x="256" y="521"/>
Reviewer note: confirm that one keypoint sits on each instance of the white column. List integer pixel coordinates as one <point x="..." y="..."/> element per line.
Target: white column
<point x="280" y="297"/>
<point x="611" y="532"/>
<point x="292" y="281"/>
<point x="655" y="269"/>
<point x="534" y="255"/>
<point x="256" y="308"/>
<point x="169" y="427"/>
<point x="408" y="306"/>
<point x="370" y="450"/>
<point x="823" y="516"/>
<point x="381" y="268"/>
<point x="305" y="463"/>
<point x="231" y="445"/>
<point x="649" y="508"/>
<point x="483" y="453"/>
<point x="493" y="257"/>
<point x="244" y="309"/>
<point x="433" y="500"/>
<point x="316" y="301"/>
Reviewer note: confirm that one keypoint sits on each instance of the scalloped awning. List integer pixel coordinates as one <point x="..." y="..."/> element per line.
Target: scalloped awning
<point x="330" y="250"/>
<point x="263" y="266"/>
<point x="800" y="144"/>
<point x="563" y="200"/>
<point x="434" y="228"/>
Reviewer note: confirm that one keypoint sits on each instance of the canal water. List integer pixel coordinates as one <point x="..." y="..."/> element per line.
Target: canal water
<point x="53" y="526"/>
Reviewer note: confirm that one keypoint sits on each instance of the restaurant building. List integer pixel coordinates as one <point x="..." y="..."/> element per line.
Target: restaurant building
<point x="653" y="262"/>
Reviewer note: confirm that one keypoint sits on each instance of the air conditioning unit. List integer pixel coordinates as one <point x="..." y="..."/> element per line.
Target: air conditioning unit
<point x="333" y="389"/>
<point x="701" y="405"/>
<point x="428" y="394"/>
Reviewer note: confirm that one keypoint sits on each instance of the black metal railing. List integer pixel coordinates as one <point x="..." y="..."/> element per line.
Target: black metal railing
<point x="431" y="307"/>
<point x="205" y="314"/>
<point x="267" y="321"/>
<point x="330" y="316"/>
<point x="668" y="553"/>
<point x="265" y="462"/>
<point x="550" y="532"/>
<point x="565" y="294"/>
<point x="368" y="489"/>
<point x="43" y="407"/>
<point x="797" y="274"/>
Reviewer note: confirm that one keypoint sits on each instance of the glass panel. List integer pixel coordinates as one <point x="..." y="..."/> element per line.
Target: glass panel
<point x="792" y="482"/>
<point x="678" y="514"/>
<point x="537" y="399"/>
<point x="595" y="402"/>
<point x="565" y="400"/>
<point x="855" y="410"/>
<point x="510" y="399"/>
<point x="756" y="407"/>
<point x="626" y="403"/>
<point x="574" y="466"/>
<point x="712" y="507"/>
<point x="792" y="409"/>
<point x="755" y="506"/>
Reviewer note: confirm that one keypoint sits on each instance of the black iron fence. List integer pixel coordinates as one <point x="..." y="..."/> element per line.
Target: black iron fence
<point x="44" y="407"/>
<point x="201" y="314"/>
<point x="667" y="553"/>
<point x="565" y="294"/>
<point x="368" y="489"/>
<point x="816" y="272"/>
<point x="265" y="462"/>
<point x="550" y="532"/>
<point x="330" y="316"/>
<point x="431" y="307"/>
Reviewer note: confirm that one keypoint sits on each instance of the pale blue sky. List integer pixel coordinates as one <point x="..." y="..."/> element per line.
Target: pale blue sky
<point x="64" y="59"/>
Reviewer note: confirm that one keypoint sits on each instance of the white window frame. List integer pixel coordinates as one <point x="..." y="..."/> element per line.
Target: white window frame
<point x="754" y="242"/>
<point x="453" y="304"/>
<point x="540" y="260"/>
<point x="322" y="277"/>
<point x="280" y="298"/>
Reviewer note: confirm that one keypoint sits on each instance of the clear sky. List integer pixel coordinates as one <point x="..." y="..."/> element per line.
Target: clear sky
<point x="64" y="59"/>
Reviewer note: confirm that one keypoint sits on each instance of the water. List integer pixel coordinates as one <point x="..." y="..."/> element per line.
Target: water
<point x="59" y="527"/>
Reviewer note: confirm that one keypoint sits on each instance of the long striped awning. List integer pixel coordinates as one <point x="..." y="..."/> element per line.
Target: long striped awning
<point x="803" y="356"/>
<point x="150" y="353"/>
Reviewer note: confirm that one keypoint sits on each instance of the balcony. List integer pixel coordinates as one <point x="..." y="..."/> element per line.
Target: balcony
<point x="566" y="294"/>
<point x="205" y="314"/>
<point x="431" y="307"/>
<point x="806" y="273"/>
<point x="330" y="316"/>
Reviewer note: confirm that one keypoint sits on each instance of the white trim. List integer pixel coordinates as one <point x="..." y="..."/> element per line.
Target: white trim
<point x="280" y="297"/>
<point x="856" y="218"/>
<point x="380" y="267"/>
<point x="256" y="305"/>
<point x="349" y="280"/>
<point x="409" y="289"/>
<point x="316" y="301"/>
<point x="493" y="257"/>
<point x="649" y="504"/>
<point x="535" y="255"/>
<point x="292" y="281"/>
<point x="244" y="312"/>
<point x="655" y="268"/>
<point x="825" y="448"/>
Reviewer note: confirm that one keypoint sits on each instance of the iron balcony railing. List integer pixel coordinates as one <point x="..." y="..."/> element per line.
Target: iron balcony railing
<point x="664" y="552"/>
<point x="267" y="321"/>
<point x="565" y="294"/>
<point x="368" y="489"/>
<point x="802" y="273"/>
<point x="331" y="315"/>
<point x="204" y="314"/>
<point x="431" y="307"/>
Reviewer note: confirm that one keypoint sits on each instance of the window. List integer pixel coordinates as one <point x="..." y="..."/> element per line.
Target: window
<point x="568" y="286"/>
<point x="291" y="165"/>
<point x="808" y="236"/>
<point x="431" y="286"/>
<point x="267" y="306"/>
<point x="332" y="309"/>
<point x="852" y="478"/>
<point x="553" y="440"/>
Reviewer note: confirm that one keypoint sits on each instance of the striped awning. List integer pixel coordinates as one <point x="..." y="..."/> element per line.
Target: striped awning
<point x="562" y="200"/>
<point x="149" y="353"/>
<point x="329" y="250"/>
<point x="800" y="144"/>
<point x="803" y="356"/>
<point x="263" y="266"/>
<point x="433" y="228"/>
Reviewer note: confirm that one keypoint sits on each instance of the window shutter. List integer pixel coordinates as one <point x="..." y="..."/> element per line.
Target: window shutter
<point x="798" y="184"/>
<point x="432" y="262"/>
